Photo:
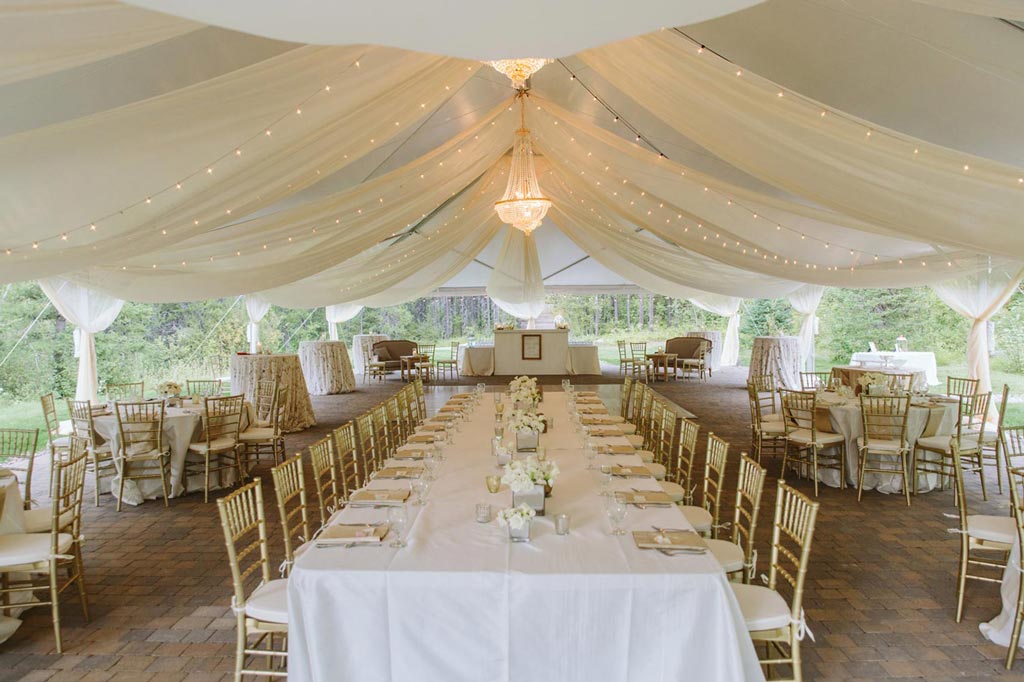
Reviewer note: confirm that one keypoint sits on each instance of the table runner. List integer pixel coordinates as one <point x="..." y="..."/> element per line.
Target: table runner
<point x="462" y="603"/>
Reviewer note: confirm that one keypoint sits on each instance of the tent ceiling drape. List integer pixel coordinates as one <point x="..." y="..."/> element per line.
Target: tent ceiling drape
<point x="320" y="175"/>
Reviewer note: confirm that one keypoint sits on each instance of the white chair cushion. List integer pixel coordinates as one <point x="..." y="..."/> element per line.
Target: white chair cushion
<point x="269" y="602"/>
<point x="990" y="435"/>
<point x="673" y="490"/>
<point x="941" y="443"/>
<point x="992" y="528"/>
<point x="657" y="470"/>
<point x="20" y="549"/>
<point x="258" y="433"/>
<point x="763" y="609"/>
<point x="729" y="554"/>
<point x="803" y="437"/>
<point x="62" y="442"/>
<point x="645" y="456"/>
<point x="635" y="440"/>
<point x="217" y="445"/>
<point x="38" y="520"/>
<point x="876" y="445"/>
<point x="773" y="417"/>
<point x="775" y="427"/>
<point x="698" y="517"/>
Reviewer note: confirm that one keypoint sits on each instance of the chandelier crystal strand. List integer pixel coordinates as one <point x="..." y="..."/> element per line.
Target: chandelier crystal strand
<point x="519" y="70"/>
<point x="523" y="206"/>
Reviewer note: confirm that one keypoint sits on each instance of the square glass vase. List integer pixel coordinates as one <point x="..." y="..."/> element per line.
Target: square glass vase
<point x="519" y="534"/>
<point x="532" y="498"/>
<point x="527" y="441"/>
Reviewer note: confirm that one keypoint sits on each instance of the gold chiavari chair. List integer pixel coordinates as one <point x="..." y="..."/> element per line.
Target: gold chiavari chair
<point x="806" y="445"/>
<point x="770" y="619"/>
<point x="973" y="410"/>
<point x="18" y="454"/>
<point x="131" y="392"/>
<point x="739" y="555"/>
<point x="651" y="452"/>
<point x="704" y="518"/>
<point x="767" y="436"/>
<point x="395" y="430"/>
<point x="625" y="360"/>
<point x="217" y="450"/>
<point x="1012" y="446"/>
<point x="421" y="400"/>
<point x="640" y="364"/>
<point x="444" y="366"/>
<point x="366" y="447"/>
<point x="263" y="614"/>
<point x="203" y="388"/>
<point x="991" y="443"/>
<point x="325" y="474"/>
<point x="101" y="459"/>
<point x="625" y="396"/>
<point x="642" y="403"/>
<point x="415" y="416"/>
<point x="383" y="447"/>
<point x="351" y="476"/>
<point x="405" y="412"/>
<point x="58" y="553"/>
<point x="290" y="491"/>
<point x="372" y="368"/>
<point x="264" y="435"/>
<point x="141" y="448"/>
<point x="59" y="442"/>
<point x="425" y="366"/>
<point x="666" y="437"/>
<point x="681" y="489"/>
<point x="883" y="448"/>
<point x="766" y="388"/>
<point x="985" y="540"/>
<point x="813" y="381"/>
<point x="1015" y="481"/>
<point x="960" y="386"/>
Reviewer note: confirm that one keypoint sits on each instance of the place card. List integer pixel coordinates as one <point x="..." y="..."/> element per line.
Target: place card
<point x="631" y="471"/>
<point x="616" y="449"/>
<point x="377" y="497"/>
<point x="681" y="540"/>
<point x="422" y="438"/>
<point x="644" y="498"/>
<point x="399" y="472"/>
<point x="352" y="533"/>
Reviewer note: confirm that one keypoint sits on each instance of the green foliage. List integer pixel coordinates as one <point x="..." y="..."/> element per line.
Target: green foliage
<point x="764" y="317"/>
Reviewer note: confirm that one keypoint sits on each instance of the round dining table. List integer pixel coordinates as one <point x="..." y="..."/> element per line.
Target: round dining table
<point x="248" y="370"/>
<point x="326" y="367"/>
<point x="12" y="520"/>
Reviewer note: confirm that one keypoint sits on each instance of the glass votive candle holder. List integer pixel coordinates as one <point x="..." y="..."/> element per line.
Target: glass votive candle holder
<point x="493" y="483"/>
<point x="562" y="524"/>
<point x="542" y="453"/>
<point x="483" y="513"/>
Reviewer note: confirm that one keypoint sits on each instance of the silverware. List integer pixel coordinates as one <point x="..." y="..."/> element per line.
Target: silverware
<point x="676" y="552"/>
<point x="348" y="545"/>
<point x="673" y="530"/>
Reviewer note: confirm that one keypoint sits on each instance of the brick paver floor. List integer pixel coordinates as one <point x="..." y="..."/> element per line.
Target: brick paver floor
<point x="880" y="597"/>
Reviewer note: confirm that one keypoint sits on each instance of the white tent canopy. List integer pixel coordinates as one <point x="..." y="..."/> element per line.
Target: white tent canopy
<point x="157" y="158"/>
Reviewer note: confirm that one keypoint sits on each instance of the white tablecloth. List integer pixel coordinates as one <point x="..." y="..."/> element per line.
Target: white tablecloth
<point x="999" y="629"/>
<point x="508" y="352"/>
<point x="359" y="342"/>
<point x="777" y="355"/>
<point x="326" y="367"/>
<point x="248" y="370"/>
<point x="583" y="359"/>
<point x="476" y="361"/>
<point x="715" y="337"/>
<point x="12" y="520"/>
<point x="850" y="375"/>
<point x="845" y="416"/>
<point x="906" y="361"/>
<point x="462" y="603"/>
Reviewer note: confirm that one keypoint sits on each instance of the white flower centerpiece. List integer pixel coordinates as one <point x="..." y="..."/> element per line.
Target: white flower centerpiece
<point x="527" y="426"/>
<point x="875" y="383"/>
<point x="530" y="481"/>
<point x="517" y="520"/>
<point x="169" y="390"/>
<point x="524" y="392"/>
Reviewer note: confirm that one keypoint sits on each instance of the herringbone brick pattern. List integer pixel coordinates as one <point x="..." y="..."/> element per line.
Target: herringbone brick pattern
<point x="880" y="599"/>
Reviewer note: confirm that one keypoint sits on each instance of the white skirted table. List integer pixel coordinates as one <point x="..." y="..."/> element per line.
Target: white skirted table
<point x="12" y="520"/>
<point x="478" y="361"/>
<point x="327" y="367"/>
<point x="906" y="361"/>
<point x="248" y="370"/>
<point x="850" y="375"/>
<point x="460" y="602"/>
<point x="361" y="341"/>
<point x="999" y="630"/>
<point x="779" y="356"/>
<point x="715" y="337"/>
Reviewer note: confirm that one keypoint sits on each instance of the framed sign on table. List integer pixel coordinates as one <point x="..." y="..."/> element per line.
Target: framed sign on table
<point x="531" y="347"/>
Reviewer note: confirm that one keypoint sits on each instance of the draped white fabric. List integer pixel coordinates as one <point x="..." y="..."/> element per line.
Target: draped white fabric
<point x="91" y="312"/>
<point x="805" y="301"/>
<point x="726" y="306"/>
<point x="338" y="313"/>
<point x="1002" y="9"/>
<point x="516" y="285"/>
<point x="256" y="307"/>
<point x="978" y="298"/>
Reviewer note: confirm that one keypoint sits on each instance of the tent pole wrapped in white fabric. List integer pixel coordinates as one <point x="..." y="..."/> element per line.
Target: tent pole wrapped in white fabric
<point x="256" y="308"/>
<point x="729" y="307"/>
<point x="516" y="285"/>
<point x="336" y="314"/>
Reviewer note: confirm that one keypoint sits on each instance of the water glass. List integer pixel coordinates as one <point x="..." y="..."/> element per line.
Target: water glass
<point x="419" y="487"/>
<point x="430" y="467"/>
<point x="589" y="453"/>
<point x="562" y="524"/>
<point x="397" y="520"/>
<point x="606" y="480"/>
<point x="483" y="513"/>
<point x="616" y="511"/>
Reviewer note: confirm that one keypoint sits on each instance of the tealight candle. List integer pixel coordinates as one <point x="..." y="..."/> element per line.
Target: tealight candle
<point x="493" y="483"/>
<point x="483" y="513"/>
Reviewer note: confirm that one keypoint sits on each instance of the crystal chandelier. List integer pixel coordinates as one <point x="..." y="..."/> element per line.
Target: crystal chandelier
<point x="518" y="70"/>
<point x="522" y="206"/>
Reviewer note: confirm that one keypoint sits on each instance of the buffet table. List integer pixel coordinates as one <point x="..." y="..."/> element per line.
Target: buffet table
<point x="850" y="375"/>
<point x="326" y="367"/>
<point x="479" y="361"/>
<point x="778" y="356"/>
<point x="715" y="337"/>
<point x="461" y="602"/>
<point x="907" y="361"/>
<point x="513" y="347"/>
<point x="360" y="342"/>
<point x="476" y="361"/>
<point x="248" y="370"/>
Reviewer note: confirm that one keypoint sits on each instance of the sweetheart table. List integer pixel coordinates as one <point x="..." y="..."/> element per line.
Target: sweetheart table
<point x="461" y="602"/>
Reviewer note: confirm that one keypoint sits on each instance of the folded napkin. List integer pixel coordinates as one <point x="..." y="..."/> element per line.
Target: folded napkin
<point x="596" y="419"/>
<point x="669" y="539"/>
<point x="410" y="452"/>
<point x="443" y="417"/>
<point x="616" y="449"/>
<point x="631" y="471"/>
<point x="422" y="438"/>
<point x="378" y="496"/>
<point x="399" y="472"/>
<point x="586" y="394"/>
<point x="461" y="396"/>
<point x="643" y="498"/>
<point x="451" y="409"/>
<point x="588" y="400"/>
<point x="605" y="431"/>
<point x="350" y="533"/>
<point x="430" y="426"/>
<point x="592" y="409"/>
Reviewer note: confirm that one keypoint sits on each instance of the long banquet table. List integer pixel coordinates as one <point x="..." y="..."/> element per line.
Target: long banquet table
<point x="461" y="602"/>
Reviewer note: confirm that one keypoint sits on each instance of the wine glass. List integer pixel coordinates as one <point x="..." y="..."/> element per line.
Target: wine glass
<point x="616" y="510"/>
<point x="589" y="453"/>
<point x="420" y="487"/>
<point x="430" y="466"/>
<point x="606" y="480"/>
<point x="396" y="520"/>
